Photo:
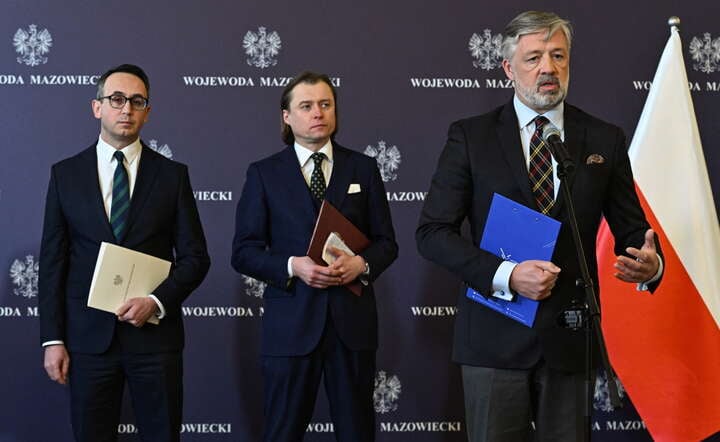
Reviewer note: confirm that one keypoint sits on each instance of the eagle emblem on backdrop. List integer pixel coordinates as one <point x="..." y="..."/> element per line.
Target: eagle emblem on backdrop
<point x="32" y="45"/>
<point x="24" y="275"/>
<point x="163" y="150"/>
<point x="387" y="392"/>
<point x="601" y="396"/>
<point x="388" y="159"/>
<point x="705" y="53"/>
<point x="253" y="287"/>
<point x="262" y="47"/>
<point x="485" y="49"/>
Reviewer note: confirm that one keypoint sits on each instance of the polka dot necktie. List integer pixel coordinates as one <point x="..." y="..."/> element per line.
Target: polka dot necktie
<point x="541" y="173"/>
<point x="317" y="179"/>
<point x="120" y="197"/>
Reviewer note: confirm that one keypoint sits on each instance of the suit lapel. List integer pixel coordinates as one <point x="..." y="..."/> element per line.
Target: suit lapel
<point x="90" y="191"/>
<point x="508" y="133"/>
<point x="146" y="176"/>
<point x="341" y="176"/>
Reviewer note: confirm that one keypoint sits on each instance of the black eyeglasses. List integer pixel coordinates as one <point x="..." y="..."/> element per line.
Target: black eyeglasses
<point x="117" y="101"/>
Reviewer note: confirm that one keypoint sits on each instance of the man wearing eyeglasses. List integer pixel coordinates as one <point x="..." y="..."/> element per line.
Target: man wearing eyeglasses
<point x="118" y="191"/>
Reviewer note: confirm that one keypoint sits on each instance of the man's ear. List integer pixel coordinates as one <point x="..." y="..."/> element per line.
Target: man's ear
<point x="508" y="69"/>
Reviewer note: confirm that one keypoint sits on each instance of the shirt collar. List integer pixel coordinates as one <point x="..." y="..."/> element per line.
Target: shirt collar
<point x="526" y="115"/>
<point x="105" y="151"/>
<point x="304" y="154"/>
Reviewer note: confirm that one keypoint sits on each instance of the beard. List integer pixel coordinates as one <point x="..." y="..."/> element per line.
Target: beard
<point x="543" y="100"/>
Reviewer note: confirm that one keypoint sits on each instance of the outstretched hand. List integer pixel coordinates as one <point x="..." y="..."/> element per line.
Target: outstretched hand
<point x="645" y="264"/>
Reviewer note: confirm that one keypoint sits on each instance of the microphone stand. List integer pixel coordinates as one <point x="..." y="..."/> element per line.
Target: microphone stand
<point x="591" y="308"/>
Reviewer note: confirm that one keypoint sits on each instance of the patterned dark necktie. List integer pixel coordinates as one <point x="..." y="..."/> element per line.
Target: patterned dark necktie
<point x="120" y="197"/>
<point x="541" y="173"/>
<point x="317" y="179"/>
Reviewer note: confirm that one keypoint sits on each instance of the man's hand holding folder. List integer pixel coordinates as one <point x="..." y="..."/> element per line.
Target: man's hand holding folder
<point x="520" y="235"/>
<point x="346" y="268"/>
<point x="314" y="275"/>
<point x="534" y="278"/>
<point x="137" y="311"/>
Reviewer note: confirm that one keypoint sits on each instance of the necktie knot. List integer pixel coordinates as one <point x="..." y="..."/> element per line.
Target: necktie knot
<point x="540" y="122"/>
<point x="118" y="155"/>
<point x="318" y="158"/>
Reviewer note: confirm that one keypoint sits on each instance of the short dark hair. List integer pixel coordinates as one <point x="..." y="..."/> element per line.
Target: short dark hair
<point x="306" y="77"/>
<point x="127" y="69"/>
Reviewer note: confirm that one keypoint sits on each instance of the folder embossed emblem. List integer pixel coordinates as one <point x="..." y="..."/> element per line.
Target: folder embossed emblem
<point x="121" y="274"/>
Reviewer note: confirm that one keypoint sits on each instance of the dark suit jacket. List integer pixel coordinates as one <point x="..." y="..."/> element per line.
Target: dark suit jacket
<point x="484" y="155"/>
<point x="275" y="220"/>
<point x="163" y="221"/>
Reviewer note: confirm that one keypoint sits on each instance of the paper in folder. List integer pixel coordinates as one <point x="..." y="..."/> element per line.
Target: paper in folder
<point x="330" y="220"/>
<point x="516" y="233"/>
<point x="121" y="274"/>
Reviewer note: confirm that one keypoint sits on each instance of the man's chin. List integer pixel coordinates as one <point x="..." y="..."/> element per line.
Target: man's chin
<point x="548" y="101"/>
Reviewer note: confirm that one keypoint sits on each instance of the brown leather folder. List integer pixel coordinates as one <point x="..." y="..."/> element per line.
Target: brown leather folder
<point x="331" y="220"/>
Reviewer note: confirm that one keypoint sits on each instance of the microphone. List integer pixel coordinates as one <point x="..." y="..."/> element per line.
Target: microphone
<point x="551" y="137"/>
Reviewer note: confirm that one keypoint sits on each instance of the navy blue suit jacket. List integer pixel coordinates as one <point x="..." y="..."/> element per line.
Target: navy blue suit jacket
<point x="163" y="221"/>
<point x="483" y="155"/>
<point x="275" y="220"/>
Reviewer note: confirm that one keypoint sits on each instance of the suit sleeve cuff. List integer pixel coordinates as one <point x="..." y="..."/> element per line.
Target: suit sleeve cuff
<point x="161" y="309"/>
<point x="501" y="281"/>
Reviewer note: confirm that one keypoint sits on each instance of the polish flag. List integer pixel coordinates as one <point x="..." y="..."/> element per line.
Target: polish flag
<point x="665" y="347"/>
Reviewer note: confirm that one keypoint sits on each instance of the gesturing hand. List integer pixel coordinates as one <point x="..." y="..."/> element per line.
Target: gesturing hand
<point x="644" y="266"/>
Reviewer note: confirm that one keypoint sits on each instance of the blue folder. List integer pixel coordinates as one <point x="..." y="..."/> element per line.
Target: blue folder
<point x="516" y="233"/>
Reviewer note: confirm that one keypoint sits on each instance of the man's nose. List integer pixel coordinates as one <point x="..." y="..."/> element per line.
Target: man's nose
<point x="547" y="64"/>
<point x="127" y="107"/>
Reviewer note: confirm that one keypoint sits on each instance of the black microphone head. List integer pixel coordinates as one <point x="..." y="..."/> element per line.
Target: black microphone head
<point x="550" y="130"/>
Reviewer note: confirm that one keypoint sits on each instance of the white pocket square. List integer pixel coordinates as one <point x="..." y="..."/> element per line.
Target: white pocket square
<point x="354" y="188"/>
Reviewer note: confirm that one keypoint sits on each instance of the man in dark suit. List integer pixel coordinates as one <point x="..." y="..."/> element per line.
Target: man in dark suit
<point x="121" y="192"/>
<point x="513" y="374"/>
<point x="313" y="326"/>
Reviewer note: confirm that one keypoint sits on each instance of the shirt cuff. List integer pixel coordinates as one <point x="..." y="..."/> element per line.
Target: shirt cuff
<point x="289" y="267"/>
<point x="501" y="281"/>
<point x="49" y="343"/>
<point x="643" y="286"/>
<point x="161" y="313"/>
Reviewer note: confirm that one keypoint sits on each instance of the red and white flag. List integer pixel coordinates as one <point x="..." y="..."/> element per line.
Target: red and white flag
<point x="665" y="347"/>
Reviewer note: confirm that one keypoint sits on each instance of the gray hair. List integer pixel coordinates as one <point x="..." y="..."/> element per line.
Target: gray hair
<point x="530" y="22"/>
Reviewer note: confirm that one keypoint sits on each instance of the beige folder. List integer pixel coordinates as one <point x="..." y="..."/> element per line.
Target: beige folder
<point x="121" y="274"/>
